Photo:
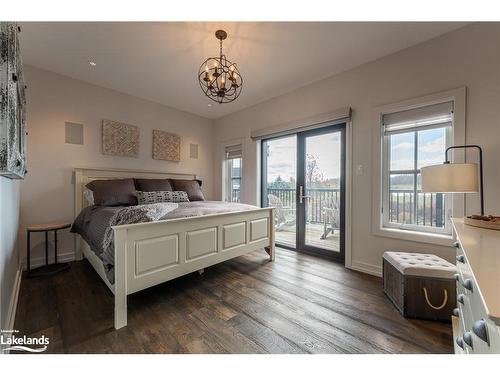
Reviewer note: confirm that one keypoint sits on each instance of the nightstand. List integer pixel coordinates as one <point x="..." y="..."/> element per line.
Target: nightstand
<point x="47" y="269"/>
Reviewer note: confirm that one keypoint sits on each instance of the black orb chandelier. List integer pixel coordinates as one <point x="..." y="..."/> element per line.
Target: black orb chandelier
<point x="219" y="78"/>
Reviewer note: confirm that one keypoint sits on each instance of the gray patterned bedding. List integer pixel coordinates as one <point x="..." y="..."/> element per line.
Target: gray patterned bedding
<point x="94" y="222"/>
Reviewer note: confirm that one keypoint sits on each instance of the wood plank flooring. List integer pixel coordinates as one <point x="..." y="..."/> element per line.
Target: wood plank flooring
<point x="286" y="236"/>
<point x="298" y="304"/>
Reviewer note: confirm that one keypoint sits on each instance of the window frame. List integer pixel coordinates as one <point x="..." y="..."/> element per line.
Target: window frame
<point x="225" y="172"/>
<point x="230" y="178"/>
<point x="386" y="174"/>
<point x="457" y="209"/>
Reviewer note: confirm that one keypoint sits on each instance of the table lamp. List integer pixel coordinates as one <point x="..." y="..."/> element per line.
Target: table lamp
<point x="459" y="178"/>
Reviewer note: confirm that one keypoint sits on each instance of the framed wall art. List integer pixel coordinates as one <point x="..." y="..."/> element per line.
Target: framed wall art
<point x="119" y="139"/>
<point x="166" y="146"/>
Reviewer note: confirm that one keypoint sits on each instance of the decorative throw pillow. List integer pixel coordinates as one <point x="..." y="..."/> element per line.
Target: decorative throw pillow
<point x="149" y="197"/>
<point x="191" y="187"/>
<point x="113" y="192"/>
<point x="151" y="184"/>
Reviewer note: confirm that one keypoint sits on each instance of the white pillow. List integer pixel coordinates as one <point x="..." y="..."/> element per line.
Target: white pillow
<point x="149" y="197"/>
<point x="89" y="196"/>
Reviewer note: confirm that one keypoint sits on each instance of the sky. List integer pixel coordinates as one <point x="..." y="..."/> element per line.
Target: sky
<point x="283" y="155"/>
<point x="431" y="149"/>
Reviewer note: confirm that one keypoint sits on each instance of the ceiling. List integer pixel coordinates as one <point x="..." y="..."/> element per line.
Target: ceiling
<point x="160" y="61"/>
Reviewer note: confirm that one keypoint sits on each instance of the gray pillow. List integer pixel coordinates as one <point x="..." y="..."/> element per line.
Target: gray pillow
<point x="152" y="184"/>
<point x="113" y="192"/>
<point x="191" y="187"/>
<point x="149" y="197"/>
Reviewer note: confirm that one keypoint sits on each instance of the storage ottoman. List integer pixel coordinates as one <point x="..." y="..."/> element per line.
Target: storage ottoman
<point x="421" y="286"/>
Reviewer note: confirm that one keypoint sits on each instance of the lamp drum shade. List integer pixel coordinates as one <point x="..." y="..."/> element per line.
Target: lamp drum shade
<point x="450" y="178"/>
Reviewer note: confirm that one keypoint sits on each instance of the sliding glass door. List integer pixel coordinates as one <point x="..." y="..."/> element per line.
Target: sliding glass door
<point x="303" y="177"/>
<point x="321" y="185"/>
<point x="279" y="185"/>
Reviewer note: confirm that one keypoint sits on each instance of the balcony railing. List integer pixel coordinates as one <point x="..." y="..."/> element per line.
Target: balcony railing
<point x="235" y="196"/>
<point x="429" y="208"/>
<point x="318" y="199"/>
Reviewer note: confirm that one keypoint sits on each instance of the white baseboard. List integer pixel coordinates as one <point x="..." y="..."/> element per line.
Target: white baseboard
<point x="40" y="261"/>
<point x="11" y="313"/>
<point x="368" y="268"/>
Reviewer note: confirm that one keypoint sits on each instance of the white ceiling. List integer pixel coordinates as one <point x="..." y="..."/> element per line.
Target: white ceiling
<point x="160" y="61"/>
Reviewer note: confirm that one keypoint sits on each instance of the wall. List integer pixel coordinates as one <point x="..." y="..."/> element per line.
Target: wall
<point x="466" y="57"/>
<point x="48" y="192"/>
<point x="9" y="263"/>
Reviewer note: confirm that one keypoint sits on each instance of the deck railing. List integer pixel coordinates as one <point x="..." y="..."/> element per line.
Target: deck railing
<point x="427" y="210"/>
<point x="235" y="196"/>
<point x="429" y="207"/>
<point x="318" y="199"/>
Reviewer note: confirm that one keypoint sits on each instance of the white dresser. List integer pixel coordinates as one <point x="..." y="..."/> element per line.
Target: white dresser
<point x="477" y="317"/>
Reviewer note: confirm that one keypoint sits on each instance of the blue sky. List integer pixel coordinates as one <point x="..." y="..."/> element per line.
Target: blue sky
<point x="431" y="149"/>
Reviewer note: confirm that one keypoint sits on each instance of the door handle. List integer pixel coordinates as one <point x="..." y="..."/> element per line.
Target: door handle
<point x="301" y="194"/>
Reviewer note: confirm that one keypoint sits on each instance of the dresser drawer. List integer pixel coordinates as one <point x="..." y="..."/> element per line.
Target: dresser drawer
<point x="486" y="334"/>
<point x="461" y="263"/>
<point x="458" y="331"/>
<point x="465" y="311"/>
<point x="481" y="332"/>
<point x="478" y="285"/>
<point x="464" y="304"/>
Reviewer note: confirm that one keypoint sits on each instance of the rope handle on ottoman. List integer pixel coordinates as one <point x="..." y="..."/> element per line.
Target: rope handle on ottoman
<point x="429" y="302"/>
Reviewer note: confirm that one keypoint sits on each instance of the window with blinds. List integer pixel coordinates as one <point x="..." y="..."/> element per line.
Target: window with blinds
<point x="234" y="152"/>
<point x="412" y="139"/>
<point x="233" y="164"/>
<point x="422" y="118"/>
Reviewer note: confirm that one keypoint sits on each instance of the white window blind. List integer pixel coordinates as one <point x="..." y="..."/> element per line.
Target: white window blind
<point x="234" y="152"/>
<point x="314" y="122"/>
<point x="431" y="116"/>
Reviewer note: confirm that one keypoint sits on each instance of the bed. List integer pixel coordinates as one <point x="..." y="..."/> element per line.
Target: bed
<point x="150" y="253"/>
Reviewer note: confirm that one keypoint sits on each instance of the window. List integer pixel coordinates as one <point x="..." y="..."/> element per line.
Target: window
<point x="233" y="163"/>
<point x="412" y="139"/>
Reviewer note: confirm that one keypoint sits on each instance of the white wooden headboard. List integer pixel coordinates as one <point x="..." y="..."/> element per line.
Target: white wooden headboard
<point x="84" y="175"/>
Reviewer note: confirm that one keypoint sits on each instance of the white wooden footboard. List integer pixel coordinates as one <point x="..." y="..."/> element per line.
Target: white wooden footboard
<point x="148" y="254"/>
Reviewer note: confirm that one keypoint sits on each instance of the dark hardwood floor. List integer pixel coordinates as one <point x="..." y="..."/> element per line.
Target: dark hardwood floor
<point x="298" y="304"/>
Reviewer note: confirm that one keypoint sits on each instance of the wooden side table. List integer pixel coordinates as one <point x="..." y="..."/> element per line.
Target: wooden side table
<point x="48" y="269"/>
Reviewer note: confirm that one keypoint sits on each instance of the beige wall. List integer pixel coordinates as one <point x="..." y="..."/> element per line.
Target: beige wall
<point x="467" y="57"/>
<point x="9" y="263"/>
<point x="47" y="192"/>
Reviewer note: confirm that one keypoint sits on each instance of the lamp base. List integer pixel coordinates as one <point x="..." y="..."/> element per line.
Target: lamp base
<point x="486" y="222"/>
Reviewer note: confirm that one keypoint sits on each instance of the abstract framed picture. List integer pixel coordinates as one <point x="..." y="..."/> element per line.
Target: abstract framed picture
<point x="119" y="139"/>
<point x="166" y="146"/>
